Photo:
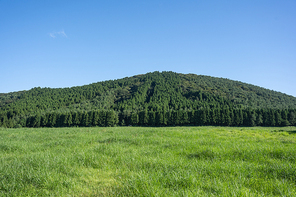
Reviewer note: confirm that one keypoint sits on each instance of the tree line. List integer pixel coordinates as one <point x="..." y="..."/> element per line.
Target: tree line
<point x="104" y="118"/>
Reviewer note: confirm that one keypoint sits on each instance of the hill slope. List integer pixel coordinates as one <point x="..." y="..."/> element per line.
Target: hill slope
<point x="165" y="89"/>
<point x="153" y="91"/>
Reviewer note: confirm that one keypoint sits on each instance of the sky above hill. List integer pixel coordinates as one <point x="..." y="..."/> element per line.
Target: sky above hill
<point x="72" y="43"/>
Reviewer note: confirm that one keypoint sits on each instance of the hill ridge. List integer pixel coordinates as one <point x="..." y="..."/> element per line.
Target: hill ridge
<point x="154" y="91"/>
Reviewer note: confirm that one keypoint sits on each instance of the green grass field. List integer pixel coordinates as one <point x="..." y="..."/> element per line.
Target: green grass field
<point x="139" y="161"/>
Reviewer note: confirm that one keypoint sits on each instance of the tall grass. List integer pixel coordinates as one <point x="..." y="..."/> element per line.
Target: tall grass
<point x="133" y="161"/>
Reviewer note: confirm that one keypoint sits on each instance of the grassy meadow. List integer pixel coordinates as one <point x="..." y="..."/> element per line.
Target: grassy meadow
<point x="147" y="161"/>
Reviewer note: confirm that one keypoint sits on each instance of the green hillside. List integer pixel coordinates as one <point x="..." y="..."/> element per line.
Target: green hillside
<point x="157" y="91"/>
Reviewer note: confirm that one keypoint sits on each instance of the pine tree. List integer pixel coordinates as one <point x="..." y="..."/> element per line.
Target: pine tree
<point x="175" y="118"/>
<point x="271" y="118"/>
<point x="259" y="118"/>
<point x="151" y="121"/>
<point x="85" y="119"/>
<point x="134" y="119"/>
<point x="90" y="118"/>
<point x="111" y="118"/>
<point x="252" y="118"/>
<point x="158" y="118"/>
<point x="143" y="117"/>
<point x="185" y="118"/>
<point x="214" y="118"/>
<point x="237" y="118"/>
<point x="203" y="117"/>
<point x="241" y="115"/>
<point x="76" y="120"/>
<point x="231" y="117"/>
<point x="197" y="117"/>
<point x="64" y="120"/>
<point x="278" y="118"/>
<point x="102" y="118"/>
<point x="180" y="116"/>
<point x="122" y="122"/>
<point x="29" y="121"/>
<point x="10" y="123"/>
<point x="95" y="118"/>
<point x="44" y="120"/>
<point x="170" y="118"/>
<point x="266" y="118"/>
<point x="36" y="121"/>
<point x="69" y="120"/>
<point x="52" y="119"/>
<point x="292" y="117"/>
<point x="246" y="120"/>
<point x="165" y="118"/>
<point x="146" y="117"/>
<point x="285" y="121"/>
<point x="22" y="122"/>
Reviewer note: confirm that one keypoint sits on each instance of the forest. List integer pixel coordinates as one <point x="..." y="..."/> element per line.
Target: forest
<point x="152" y="99"/>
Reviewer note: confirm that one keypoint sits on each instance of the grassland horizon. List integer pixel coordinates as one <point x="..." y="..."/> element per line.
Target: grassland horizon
<point x="148" y="161"/>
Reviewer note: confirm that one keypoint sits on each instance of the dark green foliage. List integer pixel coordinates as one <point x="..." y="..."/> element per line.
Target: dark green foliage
<point x="111" y="118"/>
<point x="134" y="119"/>
<point x="224" y="117"/>
<point x="76" y="118"/>
<point x="85" y="120"/>
<point x="151" y="120"/>
<point x="102" y="118"/>
<point x="143" y="117"/>
<point x="52" y="119"/>
<point x="292" y="117"/>
<point x="153" y="99"/>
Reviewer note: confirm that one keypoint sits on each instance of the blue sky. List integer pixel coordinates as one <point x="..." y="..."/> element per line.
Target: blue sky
<point x="72" y="43"/>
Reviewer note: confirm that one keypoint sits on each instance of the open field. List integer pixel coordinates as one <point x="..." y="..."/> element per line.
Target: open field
<point x="145" y="161"/>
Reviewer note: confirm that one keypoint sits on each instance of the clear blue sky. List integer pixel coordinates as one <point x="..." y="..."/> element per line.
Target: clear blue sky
<point x="72" y="43"/>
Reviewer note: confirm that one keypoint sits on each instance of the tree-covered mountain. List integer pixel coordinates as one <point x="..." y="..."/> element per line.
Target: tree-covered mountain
<point x="153" y="92"/>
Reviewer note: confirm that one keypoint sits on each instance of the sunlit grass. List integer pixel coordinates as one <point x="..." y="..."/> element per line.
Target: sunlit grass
<point x="134" y="161"/>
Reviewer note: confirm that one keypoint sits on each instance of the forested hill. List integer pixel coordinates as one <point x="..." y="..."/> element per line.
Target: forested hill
<point x="152" y="91"/>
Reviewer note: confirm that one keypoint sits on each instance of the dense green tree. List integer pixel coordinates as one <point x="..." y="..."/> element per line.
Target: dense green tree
<point x="203" y="117"/>
<point x="134" y="118"/>
<point x="52" y="119"/>
<point x="96" y="118"/>
<point x="271" y="118"/>
<point x="238" y="117"/>
<point x="252" y="118"/>
<point x="44" y="120"/>
<point x="185" y="118"/>
<point x="36" y="121"/>
<point x="111" y="119"/>
<point x="292" y="117"/>
<point x="259" y="118"/>
<point x="214" y="117"/>
<point x="91" y="118"/>
<point x="170" y="117"/>
<point x="278" y="118"/>
<point x="85" y="119"/>
<point x="10" y="123"/>
<point x="284" y="116"/>
<point x="151" y="120"/>
<point x="143" y="117"/>
<point x="158" y="98"/>
<point x="68" y="119"/>
<point x="76" y="118"/>
<point x="102" y="118"/>
<point x="226" y="116"/>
